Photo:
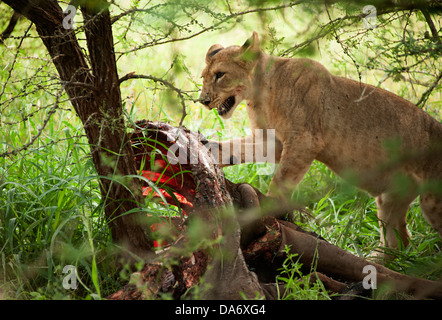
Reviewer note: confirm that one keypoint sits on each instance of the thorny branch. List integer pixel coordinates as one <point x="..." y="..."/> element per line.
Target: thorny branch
<point x="222" y="21"/>
<point x="40" y="130"/>
<point x="417" y="49"/>
<point x="168" y="84"/>
<point x="427" y="93"/>
<point x="15" y="59"/>
<point x="344" y="47"/>
<point x="329" y="27"/>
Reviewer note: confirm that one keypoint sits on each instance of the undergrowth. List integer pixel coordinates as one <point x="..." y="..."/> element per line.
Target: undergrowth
<point x="51" y="216"/>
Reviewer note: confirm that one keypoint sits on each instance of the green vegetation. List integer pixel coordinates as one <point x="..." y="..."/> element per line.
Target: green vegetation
<point x="51" y="212"/>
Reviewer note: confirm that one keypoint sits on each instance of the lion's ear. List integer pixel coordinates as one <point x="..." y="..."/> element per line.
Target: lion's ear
<point x="212" y="51"/>
<point x="250" y="50"/>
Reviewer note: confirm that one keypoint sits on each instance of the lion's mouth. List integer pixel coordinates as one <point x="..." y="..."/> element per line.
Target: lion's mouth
<point x="226" y="105"/>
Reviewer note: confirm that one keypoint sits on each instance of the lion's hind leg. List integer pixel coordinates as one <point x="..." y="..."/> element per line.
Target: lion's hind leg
<point x="392" y="212"/>
<point x="431" y="205"/>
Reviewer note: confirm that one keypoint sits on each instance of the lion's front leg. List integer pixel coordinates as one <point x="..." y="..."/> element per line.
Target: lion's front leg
<point x="229" y="152"/>
<point x="294" y="164"/>
<point x="235" y="151"/>
<point x="252" y="148"/>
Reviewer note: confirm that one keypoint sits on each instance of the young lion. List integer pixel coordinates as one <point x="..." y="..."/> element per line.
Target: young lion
<point x="381" y="142"/>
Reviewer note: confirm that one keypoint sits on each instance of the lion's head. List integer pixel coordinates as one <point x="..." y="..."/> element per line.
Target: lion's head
<point x="227" y="78"/>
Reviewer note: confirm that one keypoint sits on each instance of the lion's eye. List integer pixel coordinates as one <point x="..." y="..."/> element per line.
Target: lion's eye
<point x="219" y="75"/>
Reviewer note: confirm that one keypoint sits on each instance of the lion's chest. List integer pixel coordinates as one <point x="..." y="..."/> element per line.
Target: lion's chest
<point x="265" y="116"/>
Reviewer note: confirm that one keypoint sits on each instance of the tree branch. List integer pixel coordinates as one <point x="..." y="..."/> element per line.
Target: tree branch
<point x="427" y="93"/>
<point x="212" y="27"/>
<point x="12" y="23"/>
<point x="431" y="25"/>
<point x="168" y="84"/>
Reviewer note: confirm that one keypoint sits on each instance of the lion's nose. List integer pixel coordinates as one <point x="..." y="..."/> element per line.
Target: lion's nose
<point x="205" y="102"/>
<point x="204" y="99"/>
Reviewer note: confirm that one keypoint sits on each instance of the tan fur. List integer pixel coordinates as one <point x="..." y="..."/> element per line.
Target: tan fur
<point x="381" y="142"/>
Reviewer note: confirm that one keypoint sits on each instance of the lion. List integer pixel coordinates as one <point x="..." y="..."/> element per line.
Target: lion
<point x="377" y="140"/>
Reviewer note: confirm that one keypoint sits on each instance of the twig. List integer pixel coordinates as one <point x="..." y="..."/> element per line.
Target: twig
<point x="134" y="10"/>
<point x="168" y="84"/>
<point x="326" y="28"/>
<point x="345" y="48"/>
<point x="15" y="59"/>
<point x="214" y="26"/>
<point x="427" y="93"/>
<point x="40" y="130"/>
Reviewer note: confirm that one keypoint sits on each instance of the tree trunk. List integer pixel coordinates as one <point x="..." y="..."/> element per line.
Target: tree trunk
<point x="95" y="95"/>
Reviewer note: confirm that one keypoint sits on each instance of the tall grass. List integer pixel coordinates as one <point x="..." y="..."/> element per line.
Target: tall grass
<point x="50" y="216"/>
